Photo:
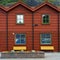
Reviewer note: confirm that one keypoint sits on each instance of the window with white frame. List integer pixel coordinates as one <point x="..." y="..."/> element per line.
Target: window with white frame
<point x="20" y="39"/>
<point x="45" y="19"/>
<point x="45" y="38"/>
<point x="20" y="19"/>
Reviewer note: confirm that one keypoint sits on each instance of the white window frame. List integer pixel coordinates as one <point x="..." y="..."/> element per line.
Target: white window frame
<point x="49" y="38"/>
<point x="43" y="20"/>
<point x="20" y="40"/>
<point x="20" y="19"/>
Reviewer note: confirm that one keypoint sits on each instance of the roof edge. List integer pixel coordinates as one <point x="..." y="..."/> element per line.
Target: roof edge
<point x="49" y="4"/>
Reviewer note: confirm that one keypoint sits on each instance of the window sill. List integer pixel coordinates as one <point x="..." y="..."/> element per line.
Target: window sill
<point x="20" y="24"/>
<point x="20" y="45"/>
<point x="45" y="44"/>
<point x="46" y="24"/>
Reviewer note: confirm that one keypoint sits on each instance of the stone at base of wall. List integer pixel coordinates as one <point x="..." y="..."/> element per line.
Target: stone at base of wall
<point x="23" y="55"/>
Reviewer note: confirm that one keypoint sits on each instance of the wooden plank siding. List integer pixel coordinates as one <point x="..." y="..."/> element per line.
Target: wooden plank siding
<point x="13" y="27"/>
<point x="2" y="30"/>
<point x="7" y="38"/>
<point x="59" y="32"/>
<point x="52" y="27"/>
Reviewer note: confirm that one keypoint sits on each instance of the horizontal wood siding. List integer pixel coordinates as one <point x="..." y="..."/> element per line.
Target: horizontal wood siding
<point x="2" y="30"/>
<point x="59" y="32"/>
<point x="26" y="28"/>
<point x="52" y="27"/>
<point x="19" y="28"/>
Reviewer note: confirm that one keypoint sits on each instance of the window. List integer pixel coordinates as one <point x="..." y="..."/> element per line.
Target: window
<point x="20" y="19"/>
<point x="45" y="38"/>
<point x="20" y="39"/>
<point x="45" y="18"/>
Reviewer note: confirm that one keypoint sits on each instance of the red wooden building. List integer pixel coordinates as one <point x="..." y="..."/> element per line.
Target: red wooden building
<point x="30" y="28"/>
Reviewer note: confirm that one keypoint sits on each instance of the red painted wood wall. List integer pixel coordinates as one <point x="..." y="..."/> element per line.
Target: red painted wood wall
<point x="52" y="27"/>
<point x="26" y="28"/>
<point x="13" y="27"/>
<point x="2" y="30"/>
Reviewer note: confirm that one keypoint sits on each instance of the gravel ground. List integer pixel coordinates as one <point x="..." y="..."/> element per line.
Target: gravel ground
<point x="48" y="56"/>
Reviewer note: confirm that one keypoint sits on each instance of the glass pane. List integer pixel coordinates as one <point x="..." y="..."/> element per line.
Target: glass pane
<point x="22" y="35"/>
<point x="45" y="38"/>
<point x="47" y="21"/>
<point x="17" y="35"/>
<point x="48" y="36"/>
<point x="45" y="35"/>
<point x="19" y="21"/>
<point x="45" y="18"/>
<point x="46" y="41"/>
<point x="44" y="21"/>
<point x="18" y="41"/>
<point x="23" y="41"/>
<point x="22" y="21"/>
<point x="20" y="18"/>
<point x="43" y="41"/>
<point x="42" y="35"/>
